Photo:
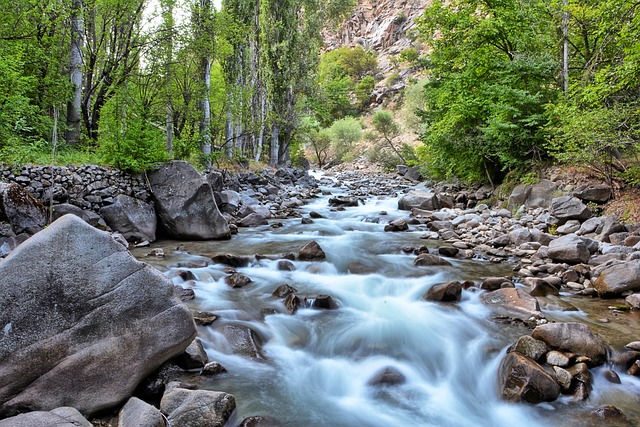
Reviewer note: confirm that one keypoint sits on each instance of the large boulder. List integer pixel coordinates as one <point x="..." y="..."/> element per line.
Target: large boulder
<point x="522" y="380"/>
<point x="83" y="321"/>
<point x="570" y="248"/>
<point x="197" y="408"/>
<point x="185" y="203"/>
<point x="21" y="209"/>
<point x="618" y="278"/>
<point x="133" y="218"/>
<point x="535" y="196"/>
<point x="425" y="200"/>
<point x="574" y="337"/>
<point x="58" y="417"/>
<point x="567" y="207"/>
<point x="541" y="194"/>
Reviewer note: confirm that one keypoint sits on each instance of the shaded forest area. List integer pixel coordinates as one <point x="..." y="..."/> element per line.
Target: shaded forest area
<point x="497" y="87"/>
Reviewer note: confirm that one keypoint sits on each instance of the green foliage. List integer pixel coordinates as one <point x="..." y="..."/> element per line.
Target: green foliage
<point x="128" y="140"/>
<point x="413" y="101"/>
<point x="411" y="56"/>
<point x="345" y="133"/>
<point x="491" y="76"/>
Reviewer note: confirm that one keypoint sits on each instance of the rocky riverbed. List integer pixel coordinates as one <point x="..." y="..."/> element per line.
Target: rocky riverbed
<point x="320" y="264"/>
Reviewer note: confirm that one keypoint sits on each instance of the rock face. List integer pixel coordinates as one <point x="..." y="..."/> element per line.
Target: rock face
<point x="419" y="199"/>
<point x="522" y="379"/>
<point x="24" y="213"/>
<point x="83" y="321"/>
<point x="133" y="218"/>
<point x="618" y="278"/>
<point x="137" y="413"/>
<point x="574" y="337"/>
<point x="185" y="203"/>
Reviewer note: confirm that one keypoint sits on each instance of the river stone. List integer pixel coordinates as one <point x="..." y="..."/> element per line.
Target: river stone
<point x="574" y="337"/>
<point x="425" y="260"/>
<point x="76" y="304"/>
<point x="63" y="209"/>
<point x="518" y="196"/>
<point x="229" y="201"/>
<point x="633" y="300"/>
<point x="426" y="200"/>
<point x="311" y="252"/>
<point x="137" y="413"/>
<point x="397" y="225"/>
<point x="231" y="260"/>
<point x="388" y="376"/>
<point x="567" y="207"/>
<point x="541" y="194"/>
<point x="238" y="280"/>
<point x="611" y="415"/>
<point x="522" y="379"/>
<point x="133" y="218"/>
<point x="618" y="278"/>
<point x="193" y="357"/>
<point x="197" y="408"/>
<point x="494" y="283"/>
<point x="528" y="346"/>
<point x="513" y="303"/>
<point x="59" y="417"/>
<point x="341" y="201"/>
<point x="260" y="211"/>
<point x="570" y="249"/>
<point x="611" y="226"/>
<point x="259" y="421"/>
<point x="557" y="358"/>
<point x="243" y="341"/>
<point x="596" y="193"/>
<point x="21" y="209"/>
<point x="185" y="203"/>
<point x="445" y="292"/>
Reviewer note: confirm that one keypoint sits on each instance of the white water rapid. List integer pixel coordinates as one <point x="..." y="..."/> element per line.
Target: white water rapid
<point x="317" y="366"/>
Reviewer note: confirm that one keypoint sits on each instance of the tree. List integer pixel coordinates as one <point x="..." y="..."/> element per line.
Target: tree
<point x="386" y="126"/>
<point x="74" y="106"/>
<point x="491" y="74"/>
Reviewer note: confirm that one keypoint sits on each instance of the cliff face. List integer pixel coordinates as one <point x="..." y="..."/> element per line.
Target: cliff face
<point x="384" y="26"/>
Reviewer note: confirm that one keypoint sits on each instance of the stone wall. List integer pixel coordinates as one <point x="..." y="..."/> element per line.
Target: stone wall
<point x="86" y="186"/>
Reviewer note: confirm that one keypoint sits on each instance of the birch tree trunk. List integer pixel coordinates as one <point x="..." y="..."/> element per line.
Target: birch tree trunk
<point x="74" y="106"/>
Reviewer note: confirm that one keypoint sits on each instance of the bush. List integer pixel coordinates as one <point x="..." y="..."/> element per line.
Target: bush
<point x="345" y="133"/>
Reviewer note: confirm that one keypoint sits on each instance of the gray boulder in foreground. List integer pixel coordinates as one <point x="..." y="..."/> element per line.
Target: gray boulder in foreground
<point x="59" y="417"/>
<point x="185" y="203"/>
<point x="82" y="322"/>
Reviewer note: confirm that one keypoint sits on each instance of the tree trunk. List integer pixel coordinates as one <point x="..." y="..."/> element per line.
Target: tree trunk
<point x="74" y="106"/>
<point x="275" y="145"/>
<point x="205" y="120"/>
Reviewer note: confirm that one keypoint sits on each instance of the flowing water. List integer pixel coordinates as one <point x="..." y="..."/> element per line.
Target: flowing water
<point x="316" y="366"/>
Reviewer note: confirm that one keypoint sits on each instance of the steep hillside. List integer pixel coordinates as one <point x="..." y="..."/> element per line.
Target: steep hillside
<point x="383" y="26"/>
<point x="386" y="27"/>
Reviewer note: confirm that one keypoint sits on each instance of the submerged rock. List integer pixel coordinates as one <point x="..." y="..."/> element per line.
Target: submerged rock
<point x="76" y="304"/>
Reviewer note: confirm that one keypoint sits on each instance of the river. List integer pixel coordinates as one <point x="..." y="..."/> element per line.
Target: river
<point x="318" y="367"/>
